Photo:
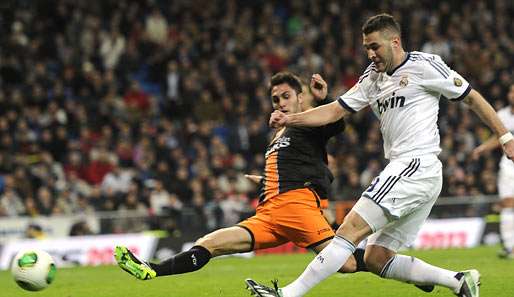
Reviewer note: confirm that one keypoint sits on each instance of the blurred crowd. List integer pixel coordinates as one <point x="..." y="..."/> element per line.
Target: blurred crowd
<point x="161" y="106"/>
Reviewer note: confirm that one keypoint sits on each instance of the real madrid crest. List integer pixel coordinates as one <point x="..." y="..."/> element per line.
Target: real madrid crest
<point x="457" y="82"/>
<point x="404" y="81"/>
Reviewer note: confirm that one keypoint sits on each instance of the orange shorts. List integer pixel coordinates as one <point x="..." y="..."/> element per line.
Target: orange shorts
<point x="293" y="216"/>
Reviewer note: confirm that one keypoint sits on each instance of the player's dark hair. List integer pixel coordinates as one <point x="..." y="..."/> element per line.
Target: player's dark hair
<point x="381" y="22"/>
<point x="286" y="78"/>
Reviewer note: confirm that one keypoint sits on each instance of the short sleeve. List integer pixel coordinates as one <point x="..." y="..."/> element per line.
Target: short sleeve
<point x="440" y="78"/>
<point x="356" y="98"/>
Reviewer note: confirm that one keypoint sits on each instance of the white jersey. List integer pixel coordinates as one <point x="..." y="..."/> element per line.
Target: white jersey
<point x="406" y="102"/>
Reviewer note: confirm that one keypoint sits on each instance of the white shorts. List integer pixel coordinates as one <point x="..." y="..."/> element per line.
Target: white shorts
<point x="506" y="179"/>
<point x="400" y="199"/>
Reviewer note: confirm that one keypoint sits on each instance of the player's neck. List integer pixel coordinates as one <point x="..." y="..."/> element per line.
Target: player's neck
<point x="399" y="58"/>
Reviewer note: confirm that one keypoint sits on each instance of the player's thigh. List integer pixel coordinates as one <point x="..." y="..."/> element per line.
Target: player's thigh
<point x="406" y="184"/>
<point x="365" y="218"/>
<point x="402" y="232"/>
<point x="263" y="231"/>
<point x="407" y="200"/>
<point x="306" y="231"/>
<point x="299" y="218"/>
<point x="227" y="241"/>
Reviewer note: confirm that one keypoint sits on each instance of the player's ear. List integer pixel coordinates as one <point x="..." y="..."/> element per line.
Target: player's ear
<point x="301" y="97"/>
<point x="396" y="41"/>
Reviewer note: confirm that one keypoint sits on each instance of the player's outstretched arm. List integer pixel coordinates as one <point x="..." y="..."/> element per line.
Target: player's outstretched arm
<point x="487" y="146"/>
<point x="319" y="116"/>
<point x="487" y="114"/>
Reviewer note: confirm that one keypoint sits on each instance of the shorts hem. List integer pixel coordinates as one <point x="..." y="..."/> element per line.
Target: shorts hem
<point x="252" y="244"/>
<point x="313" y="245"/>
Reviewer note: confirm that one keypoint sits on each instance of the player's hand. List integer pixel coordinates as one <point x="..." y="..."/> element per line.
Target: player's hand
<point x="508" y="148"/>
<point x="255" y="178"/>
<point x="476" y="153"/>
<point x="318" y="87"/>
<point x="278" y="119"/>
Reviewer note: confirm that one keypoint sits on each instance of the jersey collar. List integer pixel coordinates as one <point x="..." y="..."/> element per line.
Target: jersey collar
<point x="397" y="67"/>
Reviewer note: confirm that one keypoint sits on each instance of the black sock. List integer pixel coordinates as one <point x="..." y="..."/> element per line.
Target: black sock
<point x="187" y="261"/>
<point x="359" y="257"/>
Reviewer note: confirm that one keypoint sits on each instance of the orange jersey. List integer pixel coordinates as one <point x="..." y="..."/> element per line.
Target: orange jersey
<point x="298" y="159"/>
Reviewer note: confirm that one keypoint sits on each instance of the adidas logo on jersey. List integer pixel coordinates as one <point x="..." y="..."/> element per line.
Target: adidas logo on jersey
<point x="393" y="102"/>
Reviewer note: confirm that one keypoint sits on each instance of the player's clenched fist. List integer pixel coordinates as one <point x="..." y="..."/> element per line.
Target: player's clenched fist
<point x="278" y="119"/>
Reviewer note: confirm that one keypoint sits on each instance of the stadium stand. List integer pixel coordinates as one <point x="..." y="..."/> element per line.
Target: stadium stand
<point x="158" y="106"/>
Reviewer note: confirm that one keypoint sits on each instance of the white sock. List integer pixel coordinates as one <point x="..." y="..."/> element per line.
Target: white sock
<point x="507" y="227"/>
<point x="412" y="270"/>
<point x="326" y="263"/>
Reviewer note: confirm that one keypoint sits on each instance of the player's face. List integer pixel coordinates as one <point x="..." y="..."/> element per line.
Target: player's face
<point x="379" y="50"/>
<point x="285" y="99"/>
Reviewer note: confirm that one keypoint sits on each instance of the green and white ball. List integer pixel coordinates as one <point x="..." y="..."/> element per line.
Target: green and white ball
<point x="33" y="270"/>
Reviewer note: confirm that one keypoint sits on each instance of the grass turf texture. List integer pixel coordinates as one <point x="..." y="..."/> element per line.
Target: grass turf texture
<point x="224" y="277"/>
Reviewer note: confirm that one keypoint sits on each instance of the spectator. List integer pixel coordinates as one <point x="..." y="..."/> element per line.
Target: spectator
<point x="162" y="202"/>
<point x="80" y="228"/>
<point x="137" y="101"/>
<point x="34" y="231"/>
<point x="176" y="93"/>
<point x="11" y="203"/>
<point x="157" y="27"/>
<point x="112" y="46"/>
<point x="117" y="180"/>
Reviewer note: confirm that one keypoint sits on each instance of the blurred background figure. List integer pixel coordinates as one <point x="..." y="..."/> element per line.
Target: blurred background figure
<point x="34" y="231"/>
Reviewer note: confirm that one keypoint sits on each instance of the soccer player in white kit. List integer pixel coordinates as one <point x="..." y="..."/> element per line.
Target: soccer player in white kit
<point x="403" y="90"/>
<point x="505" y="179"/>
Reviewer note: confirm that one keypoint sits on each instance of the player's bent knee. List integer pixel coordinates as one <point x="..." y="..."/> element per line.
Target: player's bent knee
<point x="207" y="243"/>
<point x="376" y="260"/>
<point x="372" y="264"/>
<point x="226" y="241"/>
<point x="354" y="228"/>
<point x="214" y="245"/>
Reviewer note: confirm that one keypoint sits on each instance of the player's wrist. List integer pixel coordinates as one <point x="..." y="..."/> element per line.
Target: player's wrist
<point x="506" y="138"/>
<point x="289" y="120"/>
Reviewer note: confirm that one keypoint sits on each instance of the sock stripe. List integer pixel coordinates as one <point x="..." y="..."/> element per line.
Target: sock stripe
<point x="384" y="271"/>
<point x="352" y="246"/>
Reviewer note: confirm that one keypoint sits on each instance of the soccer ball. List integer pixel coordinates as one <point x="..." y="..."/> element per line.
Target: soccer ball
<point x="33" y="270"/>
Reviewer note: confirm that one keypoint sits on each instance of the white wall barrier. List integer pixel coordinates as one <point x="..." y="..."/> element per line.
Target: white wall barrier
<point x="98" y="249"/>
<point x="54" y="226"/>
<point x="450" y="233"/>
<point x="82" y="250"/>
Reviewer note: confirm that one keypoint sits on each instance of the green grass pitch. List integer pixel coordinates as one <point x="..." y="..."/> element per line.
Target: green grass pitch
<point x="224" y="277"/>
